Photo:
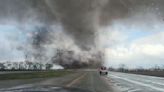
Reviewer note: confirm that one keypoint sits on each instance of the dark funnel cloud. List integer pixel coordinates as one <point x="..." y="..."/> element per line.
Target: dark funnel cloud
<point x="39" y="39"/>
<point x="79" y="19"/>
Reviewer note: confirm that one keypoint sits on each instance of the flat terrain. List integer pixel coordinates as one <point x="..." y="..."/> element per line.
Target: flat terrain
<point x="32" y="74"/>
<point x="91" y="81"/>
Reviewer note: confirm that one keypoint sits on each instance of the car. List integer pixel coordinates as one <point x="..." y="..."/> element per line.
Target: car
<point x="103" y="70"/>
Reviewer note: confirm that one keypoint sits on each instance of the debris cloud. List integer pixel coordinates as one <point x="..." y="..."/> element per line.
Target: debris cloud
<point x="66" y="32"/>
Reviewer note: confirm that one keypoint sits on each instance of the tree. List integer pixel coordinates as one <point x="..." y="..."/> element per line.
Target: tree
<point x="122" y="67"/>
<point x="48" y="66"/>
<point x="157" y="68"/>
<point x="34" y="66"/>
<point x="29" y="65"/>
<point x="21" y="66"/>
<point x="2" y="66"/>
<point x="15" y="65"/>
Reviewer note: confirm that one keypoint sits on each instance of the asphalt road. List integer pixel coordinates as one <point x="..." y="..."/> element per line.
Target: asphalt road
<point x="91" y="81"/>
<point x="86" y="80"/>
<point x="125" y="82"/>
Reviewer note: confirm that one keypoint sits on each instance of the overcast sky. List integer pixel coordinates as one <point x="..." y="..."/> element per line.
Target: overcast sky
<point x="138" y="43"/>
<point x="130" y="32"/>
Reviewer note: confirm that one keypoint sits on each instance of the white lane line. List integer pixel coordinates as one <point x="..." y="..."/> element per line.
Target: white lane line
<point x="76" y="80"/>
<point x="154" y="82"/>
<point x="146" y="78"/>
<point x="134" y="90"/>
<point x="139" y="83"/>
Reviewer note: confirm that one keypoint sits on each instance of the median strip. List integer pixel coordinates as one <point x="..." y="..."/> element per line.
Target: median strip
<point x="30" y="75"/>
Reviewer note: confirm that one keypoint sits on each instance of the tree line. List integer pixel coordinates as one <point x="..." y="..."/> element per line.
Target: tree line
<point x="25" y="65"/>
<point x="124" y="68"/>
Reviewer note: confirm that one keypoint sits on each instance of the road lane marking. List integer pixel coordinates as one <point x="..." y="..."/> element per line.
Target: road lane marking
<point x="75" y="80"/>
<point x="139" y="83"/>
<point x="146" y="78"/>
<point x="134" y="90"/>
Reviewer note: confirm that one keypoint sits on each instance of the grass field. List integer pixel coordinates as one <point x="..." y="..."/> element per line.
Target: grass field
<point x="35" y="74"/>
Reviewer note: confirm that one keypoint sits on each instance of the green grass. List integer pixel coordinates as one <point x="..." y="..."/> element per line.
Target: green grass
<point x="30" y="75"/>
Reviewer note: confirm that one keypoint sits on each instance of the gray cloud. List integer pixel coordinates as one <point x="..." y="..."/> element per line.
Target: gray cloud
<point x="80" y="19"/>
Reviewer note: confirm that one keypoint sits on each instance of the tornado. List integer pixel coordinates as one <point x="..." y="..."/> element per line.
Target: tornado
<point x="73" y="42"/>
<point x="79" y="18"/>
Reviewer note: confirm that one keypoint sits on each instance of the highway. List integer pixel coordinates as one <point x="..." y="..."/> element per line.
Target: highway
<point x="136" y="83"/>
<point x="91" y="81"/>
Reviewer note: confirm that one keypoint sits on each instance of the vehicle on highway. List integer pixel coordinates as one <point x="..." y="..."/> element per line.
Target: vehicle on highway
<point x="103" y="70"/>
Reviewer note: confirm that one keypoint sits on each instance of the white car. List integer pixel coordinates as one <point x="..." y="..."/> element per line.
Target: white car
<point x="103" y="71"/>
